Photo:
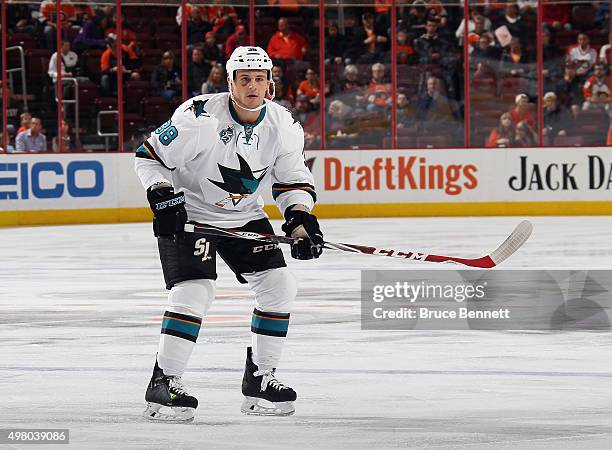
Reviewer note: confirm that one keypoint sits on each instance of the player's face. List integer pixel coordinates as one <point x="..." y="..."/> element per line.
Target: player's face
<point x="250" y="87"/>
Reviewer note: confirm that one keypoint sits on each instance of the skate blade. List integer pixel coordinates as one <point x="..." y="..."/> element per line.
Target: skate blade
<point x="252" y="407"/>
<point x="160" y="413"/>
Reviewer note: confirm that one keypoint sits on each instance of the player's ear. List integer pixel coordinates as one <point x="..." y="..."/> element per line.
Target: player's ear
<point x="271" y="89"/>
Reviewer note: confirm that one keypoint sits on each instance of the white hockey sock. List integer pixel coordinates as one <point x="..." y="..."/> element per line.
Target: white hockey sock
<point x="275" y="290"/>
<point x="188" y="303"/>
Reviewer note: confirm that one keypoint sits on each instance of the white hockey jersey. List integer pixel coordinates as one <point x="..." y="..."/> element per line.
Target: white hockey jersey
<point x="221" y="164"/>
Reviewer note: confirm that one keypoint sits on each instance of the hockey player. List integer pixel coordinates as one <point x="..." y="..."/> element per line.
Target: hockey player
<point x="206" y="165"/>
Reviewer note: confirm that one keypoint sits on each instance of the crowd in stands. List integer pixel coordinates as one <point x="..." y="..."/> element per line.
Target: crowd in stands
<point x="503" y="75"/>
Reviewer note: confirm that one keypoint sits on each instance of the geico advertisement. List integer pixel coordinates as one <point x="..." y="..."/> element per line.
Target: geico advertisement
<point x="559" y="174"/>
<point x="397" y="176"/>
<point x="52" y="181"/>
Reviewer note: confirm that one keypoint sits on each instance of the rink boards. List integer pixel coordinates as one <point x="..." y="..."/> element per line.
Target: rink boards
<point x="97" y="187"/>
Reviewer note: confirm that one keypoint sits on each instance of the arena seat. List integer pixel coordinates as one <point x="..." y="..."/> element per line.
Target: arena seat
<point x="568" y="141"/>
<point x="583" y="17"/>
<point x="566" y="38"/>
<point x="156" y="110"/>
<point x="91" y="60"/>
<point x="406" y="141"/>
<point x="37" y="64"/>
<point x="433" y="141"/>
<point x="88" y="93"/>
<point x="133" y="93"/>
<point x="132" y="123"/>
<point x="145" y="40"/>
<point x="25" y="40"/>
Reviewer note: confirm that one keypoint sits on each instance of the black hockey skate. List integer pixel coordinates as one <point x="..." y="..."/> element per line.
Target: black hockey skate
<point x="260" y="385"/>
<point x="167" y="400"/>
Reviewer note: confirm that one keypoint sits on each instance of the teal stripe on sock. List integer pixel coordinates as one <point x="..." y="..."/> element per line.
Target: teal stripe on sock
<point x="270" y="324"/>
<point x="183" y="327"/>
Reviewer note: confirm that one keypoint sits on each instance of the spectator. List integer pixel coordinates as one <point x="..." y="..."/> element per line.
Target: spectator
<point x="430" y="48"/>
<point x="13" y="108"/>
<point x="279" y="93"/>
<point x="310" y="87"/>
<point x="596" y="90"/>
<point x="166" y="78"/>
<point x="66" y="140"/>
<point x="25" y="120"/>
<point x="512" y="20"/>
<point x="525" y="135"/>
<point x="503" y="135"/>
<point x="91" y="35"/>
<point x="197" y="27"/>
<point x="25" y="25"/>
<point x="556" y="15"/>
<point x="557" y="121"/>
<point x="69" y="66"/>
<point x="69" y="62"/>
<point x="335" y="45"/>
<point x="484" y="57"/>
<point x="212" y="53"/>
<point x="237" y="39"/>
<point x="48" y="15"/>
<point x="436" y="11"/>
<point x="278" y="72"/>
<point x="404" y="48"/>
<point x="378" y="92"/>
<point x="10" y="148"/>
<point x="197" y="71"/>
<point x="475" y="35"/>
<point x="514" y="61"/>
<point x="569" y="89"/>
<point x="349" y="90"/>
<point x="369" y="42"/>
<point x="108" y="66"/>
<point x="286" y="44"/>
<point x="605" y="53"/>
<point x="551" y="55"/>
<point x="222" y="18"/>
<point x="32" y="139"/>
<point x="308" y="119"/>
<point x="342" y="131"/>
<point x="476" y="14"/>
<point x="128" y="35"/>
<point x="522" y="111"/>
<point x="216" y="81"/>
<point x="404" y="111"/>
<point x="527" y="6"/>
<point x="414" y="22"/>
<point x="188" y="9"/>
<point x="433" y="108"/>
<point x="582" y="55"/>
<point x="602" y="15"/>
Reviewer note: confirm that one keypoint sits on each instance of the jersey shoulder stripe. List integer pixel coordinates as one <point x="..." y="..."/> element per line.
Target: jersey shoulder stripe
<point x="146" y="151"/>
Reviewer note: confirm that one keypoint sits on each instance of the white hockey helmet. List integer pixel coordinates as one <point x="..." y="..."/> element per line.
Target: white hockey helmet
<point x="248" y="58"/>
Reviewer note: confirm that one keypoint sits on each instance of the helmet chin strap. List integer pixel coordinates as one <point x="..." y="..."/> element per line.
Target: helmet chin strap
<point x="259" y="108"/>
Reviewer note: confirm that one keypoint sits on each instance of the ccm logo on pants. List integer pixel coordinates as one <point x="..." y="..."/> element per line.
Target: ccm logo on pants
<point x="264" y="248"/>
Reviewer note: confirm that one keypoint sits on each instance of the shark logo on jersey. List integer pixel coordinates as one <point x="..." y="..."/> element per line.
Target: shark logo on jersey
<point x="226" y="135"/>
<point x="197" y="106"/>
<point x="238" y="183"/>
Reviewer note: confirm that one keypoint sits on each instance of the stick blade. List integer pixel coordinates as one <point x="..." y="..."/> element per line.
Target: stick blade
<point x="516" y="239"/>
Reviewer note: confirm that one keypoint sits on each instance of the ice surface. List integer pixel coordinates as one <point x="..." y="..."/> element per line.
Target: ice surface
<point x="80" y="316"/>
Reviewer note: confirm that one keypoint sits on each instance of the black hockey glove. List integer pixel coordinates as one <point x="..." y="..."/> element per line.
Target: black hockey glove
<point x="168" y="209"/>
<point x="301" y="224"/>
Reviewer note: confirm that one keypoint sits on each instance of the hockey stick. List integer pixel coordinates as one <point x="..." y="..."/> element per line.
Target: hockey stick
<point x="512" y="243"/>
